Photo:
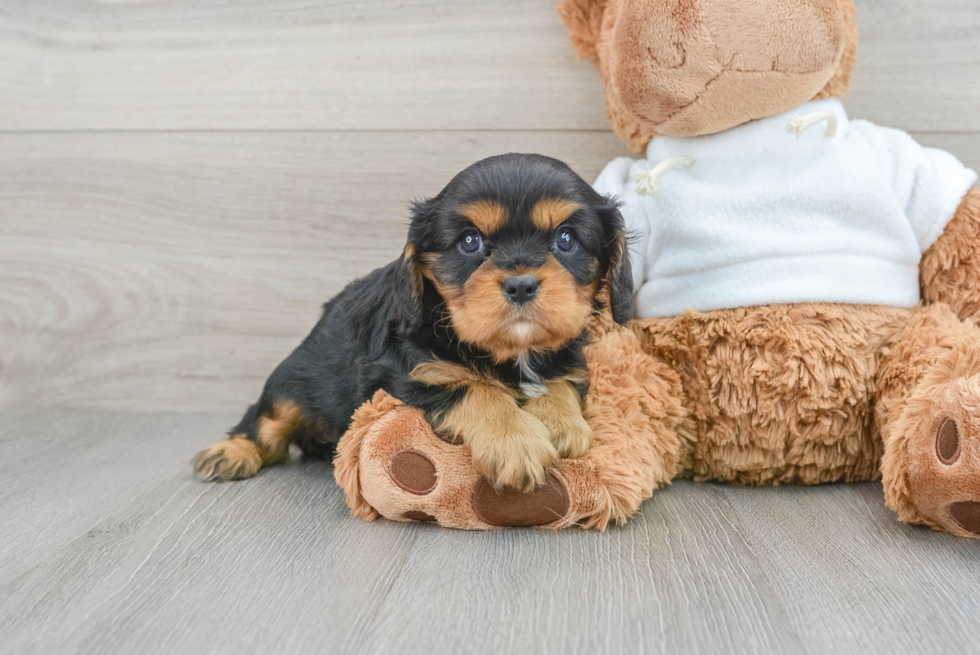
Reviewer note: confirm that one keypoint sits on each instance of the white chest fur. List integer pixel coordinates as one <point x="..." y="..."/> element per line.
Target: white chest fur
<point x="532" y="385"/>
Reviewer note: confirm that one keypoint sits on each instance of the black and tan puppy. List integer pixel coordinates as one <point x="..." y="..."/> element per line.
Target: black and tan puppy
<point x="480" y="323"/>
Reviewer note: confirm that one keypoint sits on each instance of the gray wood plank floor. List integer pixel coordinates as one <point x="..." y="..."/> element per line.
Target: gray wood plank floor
<point x="110" y="546"/>
<point x="182" y="184"/>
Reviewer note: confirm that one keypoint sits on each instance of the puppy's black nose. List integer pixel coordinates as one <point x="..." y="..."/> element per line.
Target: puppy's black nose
<point x="521" y="288"/>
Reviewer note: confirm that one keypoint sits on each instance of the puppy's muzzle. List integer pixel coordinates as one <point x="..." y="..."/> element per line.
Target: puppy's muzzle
<point x="521" y="289"/>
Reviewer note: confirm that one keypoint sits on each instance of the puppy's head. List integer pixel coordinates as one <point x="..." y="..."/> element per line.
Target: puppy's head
<point x="518" y="247"/>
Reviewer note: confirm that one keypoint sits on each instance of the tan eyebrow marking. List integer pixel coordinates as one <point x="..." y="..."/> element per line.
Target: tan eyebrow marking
<point x="548" y="214"/>
<point x="488" y="216"/>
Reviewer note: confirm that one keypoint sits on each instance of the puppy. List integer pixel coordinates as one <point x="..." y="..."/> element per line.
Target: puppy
<point x="480" y="323"/>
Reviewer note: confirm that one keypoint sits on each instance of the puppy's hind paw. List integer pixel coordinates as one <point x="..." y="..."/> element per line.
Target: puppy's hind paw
<point x="231" y="459"/>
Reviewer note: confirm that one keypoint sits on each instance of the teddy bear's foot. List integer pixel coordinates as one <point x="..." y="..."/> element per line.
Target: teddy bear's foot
<point x="944" y="481"/>
<point x="928" y="411"/>
<point x="949" y="451"/>
<point x="943" y="451"/>
<point x="392" y="464"/>
<point x="419" y="475"/>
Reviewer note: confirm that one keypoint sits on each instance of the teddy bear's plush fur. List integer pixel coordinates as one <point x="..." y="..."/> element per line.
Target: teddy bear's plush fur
<point x="767" y="395"/>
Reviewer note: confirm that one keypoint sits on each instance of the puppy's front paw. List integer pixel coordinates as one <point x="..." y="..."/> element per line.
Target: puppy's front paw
<point x="561" y="411"/>
<point x="571" y="436"/>
<point x="518" y="456"/>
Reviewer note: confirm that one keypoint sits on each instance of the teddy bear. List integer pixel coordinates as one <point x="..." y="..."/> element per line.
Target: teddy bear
<point x="807" y="289"/>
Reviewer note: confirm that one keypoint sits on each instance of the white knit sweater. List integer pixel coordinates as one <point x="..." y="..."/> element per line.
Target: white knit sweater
<point x="763" y="215"/>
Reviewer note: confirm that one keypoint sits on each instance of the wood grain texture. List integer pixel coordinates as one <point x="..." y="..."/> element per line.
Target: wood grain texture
<point x="143" y="561"/>
<point x="846" y="570"/>
<point x="389" y="64"/>
<point x="918" y="65"/>
<point x="293" y="64"/>
<point x="61" y="475"/>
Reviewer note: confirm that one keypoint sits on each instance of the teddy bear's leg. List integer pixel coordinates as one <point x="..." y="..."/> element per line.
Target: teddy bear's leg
<point x="391" y="463"/>
<point x="928" y="413"/>
<point x="950" y="270"/>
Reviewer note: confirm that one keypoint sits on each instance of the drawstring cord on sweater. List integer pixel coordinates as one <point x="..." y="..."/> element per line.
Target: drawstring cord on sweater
<point x="646" y="181"/>
<point x="799" y="124"/>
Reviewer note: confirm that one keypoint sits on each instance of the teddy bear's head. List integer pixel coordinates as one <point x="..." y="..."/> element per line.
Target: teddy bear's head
<point x="694" y="67"/>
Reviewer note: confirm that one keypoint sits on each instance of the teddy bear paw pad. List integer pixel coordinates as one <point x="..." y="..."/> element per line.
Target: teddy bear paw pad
<point x="948" y="442"/>
<point x="966" y="514"/>
<point x="413" y="471"/>
<point x="414" y="515"/>
<point x="509" y="507"/>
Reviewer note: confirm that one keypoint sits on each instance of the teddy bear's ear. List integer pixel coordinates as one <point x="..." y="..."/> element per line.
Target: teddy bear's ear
<point x="840" y="84"/>
<point x="584" y="21"/>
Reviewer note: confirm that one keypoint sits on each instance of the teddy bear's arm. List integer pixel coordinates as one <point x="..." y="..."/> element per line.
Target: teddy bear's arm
<point x="950" y="268"/>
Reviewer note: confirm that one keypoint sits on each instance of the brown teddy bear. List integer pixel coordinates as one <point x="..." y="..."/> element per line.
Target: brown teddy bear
<point x="807" y="287"/>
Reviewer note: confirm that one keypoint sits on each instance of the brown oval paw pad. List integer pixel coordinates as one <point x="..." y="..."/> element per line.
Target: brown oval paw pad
<point x="414" y="515"/>
<point x="966" y="514"/>
<point x="948" y="442"/>
<point x="509" y="507"/>
<point x="413" y="472"/>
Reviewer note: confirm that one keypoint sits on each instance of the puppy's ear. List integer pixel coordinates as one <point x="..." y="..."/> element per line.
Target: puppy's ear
<point x="410" y="273"/>
<point x="619" y="274"/>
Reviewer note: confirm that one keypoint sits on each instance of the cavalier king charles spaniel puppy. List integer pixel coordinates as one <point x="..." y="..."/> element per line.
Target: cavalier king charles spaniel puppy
<point x="480" y="323"/>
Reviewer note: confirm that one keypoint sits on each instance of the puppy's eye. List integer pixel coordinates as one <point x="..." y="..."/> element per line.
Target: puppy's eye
<point x="565" y="240"/>
<point x="471" y="243"/>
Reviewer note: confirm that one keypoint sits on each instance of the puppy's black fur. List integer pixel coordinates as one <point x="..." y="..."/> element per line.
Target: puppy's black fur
<point x="379" y="328"/>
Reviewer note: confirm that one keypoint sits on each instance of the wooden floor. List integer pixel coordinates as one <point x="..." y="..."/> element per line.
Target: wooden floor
<point x="182" y="183"/>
